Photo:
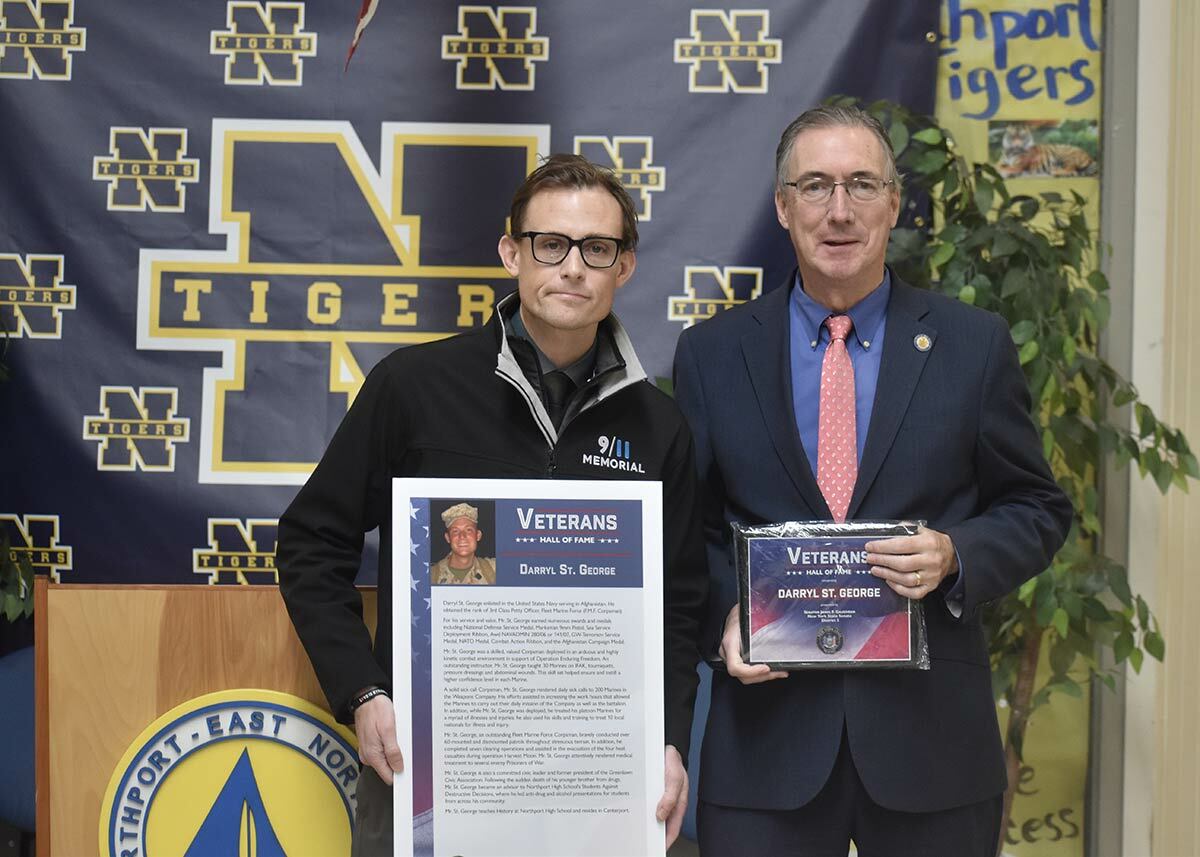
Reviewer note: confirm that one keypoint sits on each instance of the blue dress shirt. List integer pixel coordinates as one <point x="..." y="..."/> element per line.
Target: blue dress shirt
<point x="809" y="337"/>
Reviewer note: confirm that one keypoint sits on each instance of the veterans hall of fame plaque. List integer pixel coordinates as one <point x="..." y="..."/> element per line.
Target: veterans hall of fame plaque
<point x="808" y="599"/>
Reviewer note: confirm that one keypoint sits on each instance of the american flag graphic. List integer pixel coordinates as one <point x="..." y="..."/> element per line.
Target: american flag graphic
<point x="422" y="678"/>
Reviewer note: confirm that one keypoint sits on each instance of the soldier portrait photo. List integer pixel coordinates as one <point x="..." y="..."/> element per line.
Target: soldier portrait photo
<point x="462" y="564"/>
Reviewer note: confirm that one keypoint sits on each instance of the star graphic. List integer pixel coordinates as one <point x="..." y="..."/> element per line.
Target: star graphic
<point x="412" y="548"/>
<point x="412" y="581"/>
<point x="412" y="511"/>
<point x="427" y="606"/>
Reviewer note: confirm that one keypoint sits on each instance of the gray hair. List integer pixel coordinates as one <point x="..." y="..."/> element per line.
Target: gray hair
<point x="833" y="116"/>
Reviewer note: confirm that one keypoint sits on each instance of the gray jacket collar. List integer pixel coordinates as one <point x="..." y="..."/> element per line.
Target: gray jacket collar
<point x="607" y="384"/>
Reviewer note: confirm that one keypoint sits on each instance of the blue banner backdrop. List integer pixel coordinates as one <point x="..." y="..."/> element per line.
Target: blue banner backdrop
<point x="209" y="232"/>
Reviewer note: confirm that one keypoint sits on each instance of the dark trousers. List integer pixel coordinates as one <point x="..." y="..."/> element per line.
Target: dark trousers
<point x="841" y="812"/>
<point x="373" y="818"/>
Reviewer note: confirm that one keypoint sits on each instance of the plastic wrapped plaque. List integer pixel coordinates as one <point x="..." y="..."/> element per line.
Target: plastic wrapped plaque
<point x="809" y="601"/>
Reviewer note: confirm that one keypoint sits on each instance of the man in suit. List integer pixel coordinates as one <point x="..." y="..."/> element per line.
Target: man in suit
<point x="936" y="412"/>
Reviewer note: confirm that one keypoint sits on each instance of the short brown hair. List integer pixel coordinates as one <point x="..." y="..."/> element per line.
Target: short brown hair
<point x="833" y="116"/>
<point x="573" y="172"/>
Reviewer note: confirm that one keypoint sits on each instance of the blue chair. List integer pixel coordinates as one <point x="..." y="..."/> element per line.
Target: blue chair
<point x="17" y="790"/>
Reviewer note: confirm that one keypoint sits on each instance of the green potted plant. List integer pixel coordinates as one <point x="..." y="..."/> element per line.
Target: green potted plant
<point x="16" y="577"/>
<point x="1034" y="260"/>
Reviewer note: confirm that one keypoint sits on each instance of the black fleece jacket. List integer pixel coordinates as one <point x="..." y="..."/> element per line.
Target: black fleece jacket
<point x="462" y="407"/>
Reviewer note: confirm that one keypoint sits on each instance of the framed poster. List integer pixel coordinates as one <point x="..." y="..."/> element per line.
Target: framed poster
<point x="808" y="599"/>
<point x="529" y="687"/>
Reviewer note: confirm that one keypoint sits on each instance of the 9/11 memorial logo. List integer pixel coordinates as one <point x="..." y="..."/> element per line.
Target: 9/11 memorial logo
<point x="38" y="39"/>
<point x="708" y="290"/>
<point x="239" y="552"/>
<point x="33" y="296"/>
<point x="264" y="43"/>
<point x="146" y="168"/>
<point x="496" y="47"/>
<point x="238" y="772"/>
<point x="306" y="297"/>
<point x="613" y="453"/>
<point x="137" y="429"/>
<point x="631" y="158"/>
<point x="35" y="537"/>
<point x="729" y="50"/>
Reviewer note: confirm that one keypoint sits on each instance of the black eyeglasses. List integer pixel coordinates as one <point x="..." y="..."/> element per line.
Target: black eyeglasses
<point x="550" y="248"/>
<point x="818" y="189"/>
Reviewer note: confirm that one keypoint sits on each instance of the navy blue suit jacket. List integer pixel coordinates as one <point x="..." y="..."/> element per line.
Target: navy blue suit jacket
<point x="951" y="441"/>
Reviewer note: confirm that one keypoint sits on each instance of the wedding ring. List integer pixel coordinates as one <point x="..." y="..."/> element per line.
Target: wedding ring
<point x="918" y="574"/>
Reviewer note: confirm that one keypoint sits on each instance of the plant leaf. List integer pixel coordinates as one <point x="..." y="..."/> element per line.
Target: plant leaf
<point x="1023" y="331"/>
<point x="1069" y="687"/>
<point x="930" y="162"/>
<point x="1095" y="610"/>
<point x="1060" y="622"/>
<point x="1123" y="396"/>
<point x="983" y="198"/>
<point x="1025" y="593"/>
<point x="941" y="255"/>
<point x="1154" y="645"/>
<point x="1003" y="245"/>
<point x="1122" y="646"/>
<point x="930" y="136"/>
<point x="1015" y="280"/>
<point x="1118" y="582"/>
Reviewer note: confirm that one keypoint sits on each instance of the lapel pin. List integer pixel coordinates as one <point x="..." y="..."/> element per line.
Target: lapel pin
<point x="922" y="342"/>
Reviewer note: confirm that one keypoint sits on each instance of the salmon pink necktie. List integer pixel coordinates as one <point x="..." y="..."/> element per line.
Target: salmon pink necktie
<point x="837" y="441"/>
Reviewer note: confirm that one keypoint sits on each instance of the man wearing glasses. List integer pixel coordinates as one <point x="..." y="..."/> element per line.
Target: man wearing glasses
<point x="849" y="395"/>
<point x="535" y="393"/>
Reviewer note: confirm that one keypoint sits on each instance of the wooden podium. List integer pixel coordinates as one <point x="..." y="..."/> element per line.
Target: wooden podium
<point x="111" y="659"/>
